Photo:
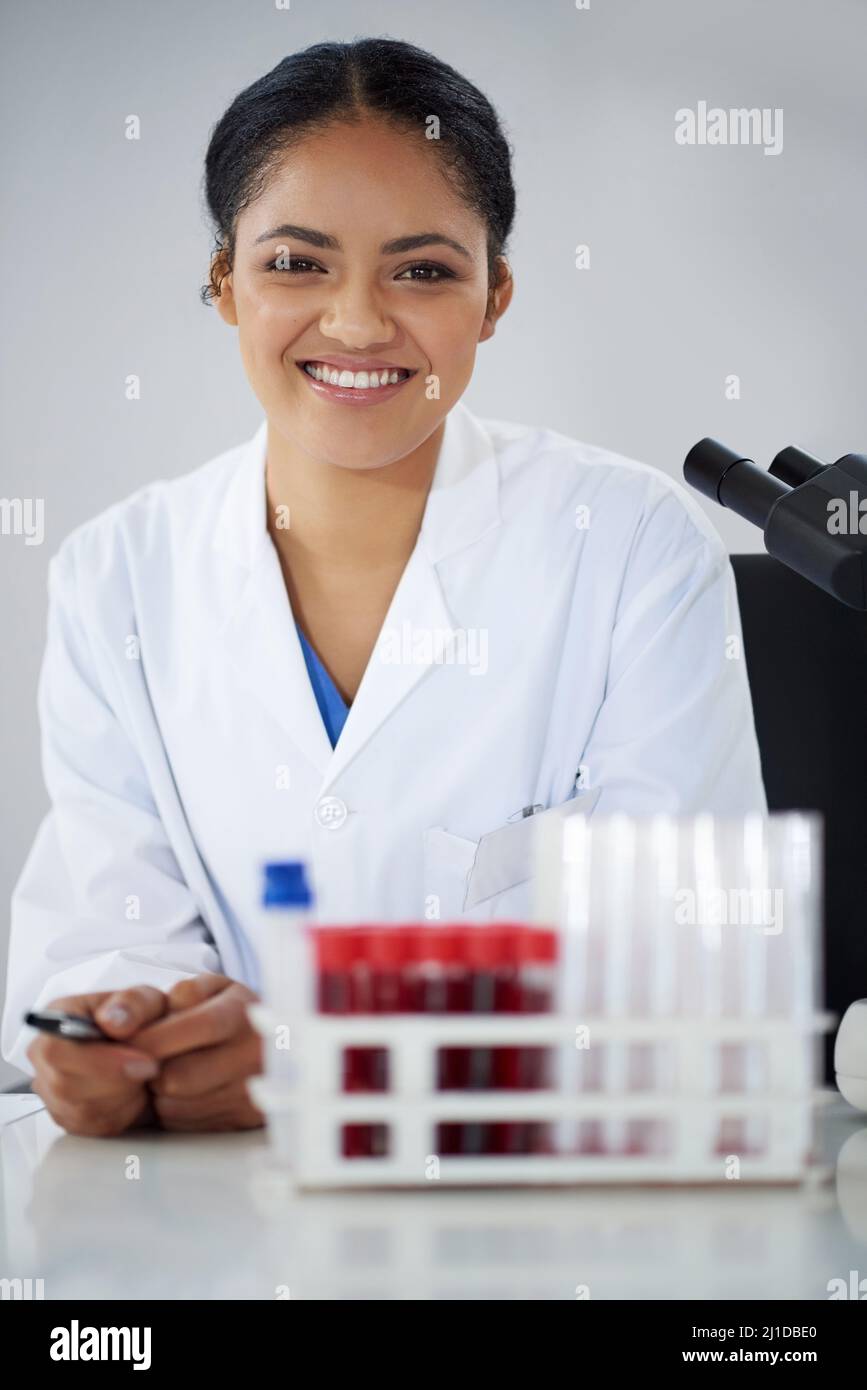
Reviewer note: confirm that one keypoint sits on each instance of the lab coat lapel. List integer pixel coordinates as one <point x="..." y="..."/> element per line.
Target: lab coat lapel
<point x="418" y="607"/>
<point x="418" y="631"/>
<point x="259" y="636"/>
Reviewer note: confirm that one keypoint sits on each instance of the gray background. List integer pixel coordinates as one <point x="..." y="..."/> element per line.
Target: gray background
<point x="705" y="261"/>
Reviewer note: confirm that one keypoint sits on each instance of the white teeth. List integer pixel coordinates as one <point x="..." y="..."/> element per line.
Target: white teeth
<point x="358" y="381"/>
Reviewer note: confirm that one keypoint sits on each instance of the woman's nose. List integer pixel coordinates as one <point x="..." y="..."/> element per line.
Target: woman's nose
<point x="356" y="316"/>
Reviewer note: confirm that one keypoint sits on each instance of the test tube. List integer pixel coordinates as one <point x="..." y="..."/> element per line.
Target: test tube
<point x="710" y="895"/>
<point x="735" y="969"/>
<point x="439" y="983"/>
<point x="800" y="852"/>
<point x="385" y="989"/>
<point x="651" y="959"/>
<point x="537" y="973"/>
<point x="336" y="952"/>
<point x="357" y="1059"/>
<point x="387" y="954"/>
<point x="333" y="948"/>
<point x="507" y="1068"/>
<point x="755" y="962"/>
<point x="450" y="993"/>
<point x="620" y="833"/>
<point x="569" y="904"/>
<point x="486" y="956"/>
<point x="527" y="1068"/>
<point x="507" y="1136"/>
<point x="427" y="983"/>
<point x="360" y="973"/>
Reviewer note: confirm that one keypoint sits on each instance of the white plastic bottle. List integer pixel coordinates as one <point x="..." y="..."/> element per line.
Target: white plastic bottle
<point x="287" y="971"/>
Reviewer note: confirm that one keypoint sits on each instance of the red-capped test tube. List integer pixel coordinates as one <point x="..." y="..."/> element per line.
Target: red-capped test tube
<point x="537" y="965"/>
<point x="336" y="949"/>
<point x="342" y="988"/>
<point x="438" y="983"/>
<point x="380" y="985"/>
<point x="334" y="952"/>
<point x="386" y="953"/>
<point x="491" y="962"/>
<point x="527" y="1068"/>
<point x="435" y="970"/>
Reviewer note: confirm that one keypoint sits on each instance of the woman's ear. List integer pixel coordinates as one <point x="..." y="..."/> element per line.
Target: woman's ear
<point x="221" y="284"/>
<point x="499" y="298"/>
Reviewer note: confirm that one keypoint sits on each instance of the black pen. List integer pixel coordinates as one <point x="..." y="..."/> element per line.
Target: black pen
<point x="63" y="1025"/>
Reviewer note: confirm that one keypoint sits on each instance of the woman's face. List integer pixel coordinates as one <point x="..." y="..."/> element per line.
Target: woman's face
<point x="328" y="270"/>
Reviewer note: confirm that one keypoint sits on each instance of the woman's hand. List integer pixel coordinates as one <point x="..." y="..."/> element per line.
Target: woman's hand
<point x="99" y="1088"/>
<point x="206" y="1049"/>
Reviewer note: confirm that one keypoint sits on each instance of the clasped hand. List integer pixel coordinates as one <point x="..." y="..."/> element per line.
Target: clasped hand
<point x="179" y="1060"/>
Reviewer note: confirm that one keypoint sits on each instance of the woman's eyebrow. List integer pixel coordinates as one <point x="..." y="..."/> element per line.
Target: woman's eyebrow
<point x="320" y="239"/>
<point x="388" y="248"/>
<point x="414" y="243"/>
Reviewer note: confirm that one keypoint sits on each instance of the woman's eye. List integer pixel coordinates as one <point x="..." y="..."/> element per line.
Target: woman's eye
<point x="426" y="273"/>
<point x="422" y="273"/>
<point x="292" y="264"/>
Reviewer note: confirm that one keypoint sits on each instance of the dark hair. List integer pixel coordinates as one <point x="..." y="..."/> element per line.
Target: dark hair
<point x="344" y="81"/>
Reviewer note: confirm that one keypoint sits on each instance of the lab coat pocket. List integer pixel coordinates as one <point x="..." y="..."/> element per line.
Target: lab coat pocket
<point x="448" y="860"/>
<point x="505" y="857"/>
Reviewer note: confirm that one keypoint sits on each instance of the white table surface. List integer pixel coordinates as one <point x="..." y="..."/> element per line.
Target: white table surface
<point x="207" y="1218"/>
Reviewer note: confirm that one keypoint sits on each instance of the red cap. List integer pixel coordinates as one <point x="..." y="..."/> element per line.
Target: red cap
<point x="438" y="942"/>
<point x="538" y="945"/>
<point x="486" y="946"/>
<point x="385" y="947"/>
<point x="336" y="947"/>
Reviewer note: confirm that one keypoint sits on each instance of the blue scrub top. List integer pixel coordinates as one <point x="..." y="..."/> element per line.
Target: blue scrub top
<point x="332" y="705"/>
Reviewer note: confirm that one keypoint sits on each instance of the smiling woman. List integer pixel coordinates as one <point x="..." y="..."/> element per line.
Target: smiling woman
<point x="391" y="257"/>
<point x="362" y="262"/>
<point x="310" y="607"/>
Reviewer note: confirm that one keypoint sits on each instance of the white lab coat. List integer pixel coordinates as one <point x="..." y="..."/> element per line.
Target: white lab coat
<point x="594" y="650"/>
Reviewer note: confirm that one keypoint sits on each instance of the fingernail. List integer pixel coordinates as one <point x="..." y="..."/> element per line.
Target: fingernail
<point x="140" y="1071"/>
<point x="115" y="1013"/>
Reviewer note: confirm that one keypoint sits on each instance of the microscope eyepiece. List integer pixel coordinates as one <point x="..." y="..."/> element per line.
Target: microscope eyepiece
<point x="733" y="480"/>
<point x="795" y="466"/>
<point x="798" y="505"/>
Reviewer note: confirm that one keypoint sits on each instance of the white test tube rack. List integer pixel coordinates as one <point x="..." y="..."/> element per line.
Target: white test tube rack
<point x="305" y="1119"/>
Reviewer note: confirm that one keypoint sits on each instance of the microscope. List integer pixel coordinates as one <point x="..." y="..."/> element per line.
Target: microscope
<point x="813" y="516"/>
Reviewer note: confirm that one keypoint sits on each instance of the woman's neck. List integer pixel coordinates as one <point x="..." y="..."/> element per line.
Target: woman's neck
<point x="346" y="545"/>
<point x="343" y="519"/>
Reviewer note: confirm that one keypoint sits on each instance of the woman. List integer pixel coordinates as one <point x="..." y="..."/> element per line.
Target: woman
<point x="374" y="637"/>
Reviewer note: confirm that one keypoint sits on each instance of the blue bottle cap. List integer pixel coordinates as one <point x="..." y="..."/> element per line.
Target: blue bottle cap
<point x="286" y="885"/>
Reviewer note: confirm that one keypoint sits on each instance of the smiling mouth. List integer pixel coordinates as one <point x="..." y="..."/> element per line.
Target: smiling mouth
<point x="355" y="381"/>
